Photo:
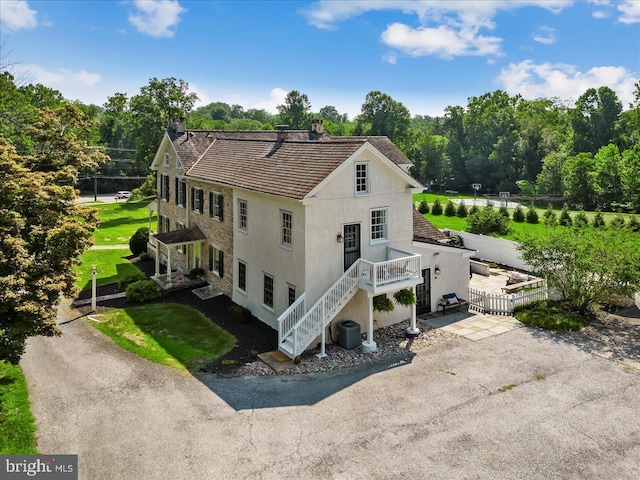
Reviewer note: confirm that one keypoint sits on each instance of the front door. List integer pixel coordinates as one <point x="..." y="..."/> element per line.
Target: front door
<point x="351" y="244"/>
<point x="423" y="293"/>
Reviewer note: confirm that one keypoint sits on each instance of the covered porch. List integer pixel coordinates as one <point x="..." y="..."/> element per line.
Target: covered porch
<point x="167" y="243"/>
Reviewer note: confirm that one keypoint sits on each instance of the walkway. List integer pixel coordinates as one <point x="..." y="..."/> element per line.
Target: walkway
<point x="471" y="325"/>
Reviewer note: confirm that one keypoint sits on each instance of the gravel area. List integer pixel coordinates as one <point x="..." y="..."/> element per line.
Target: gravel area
<point x="392" y="342"/>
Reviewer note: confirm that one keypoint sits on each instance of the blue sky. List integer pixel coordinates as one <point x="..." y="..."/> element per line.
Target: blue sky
<point x="426" y="54"/>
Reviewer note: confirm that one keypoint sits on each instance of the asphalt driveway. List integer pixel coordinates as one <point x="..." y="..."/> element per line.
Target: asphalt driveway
<point x="517" y="405"/>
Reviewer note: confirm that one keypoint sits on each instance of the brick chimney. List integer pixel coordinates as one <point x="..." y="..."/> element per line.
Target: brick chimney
<point x="317" y="126"/>
<point x="178" y="125"/>
<point x="282" y="132"/>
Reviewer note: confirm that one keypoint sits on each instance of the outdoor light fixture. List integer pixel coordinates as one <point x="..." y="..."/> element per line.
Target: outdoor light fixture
<point x="437" y="270"/>
<point x="339" y="238"/>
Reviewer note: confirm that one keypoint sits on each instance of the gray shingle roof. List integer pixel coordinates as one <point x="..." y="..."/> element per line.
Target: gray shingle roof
<point x="424" y="231"/>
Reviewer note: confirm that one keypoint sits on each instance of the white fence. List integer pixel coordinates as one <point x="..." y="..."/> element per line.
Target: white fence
<point x="504" y="303"/>
<point x="497" y="250"/>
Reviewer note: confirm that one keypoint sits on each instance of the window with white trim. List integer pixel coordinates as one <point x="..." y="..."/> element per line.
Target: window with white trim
<point x="242" y="276"/>
<point x="180" y="248"/>
<point x="242" y="214"/>
<point x="178" y="162"/>
<point x="164" y="187"/>
<point x="163" y="224"/>
<point x="216" y="257"/>
<point x="267" y="296"/>
<point x="216" y="201"/>
<point x="166" y="159"/>
<point x="197" y="199"/>
<point x="379" y="225"/>
<point x="181" y="192"/>
<point x="286" y="221"/>
<point x="362" y="178"/>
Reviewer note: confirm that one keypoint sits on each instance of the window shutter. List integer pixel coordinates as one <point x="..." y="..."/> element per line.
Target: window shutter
<point x="221" y="203"/>
<point x="177" y="200"/>
<point x="211" y="258"/>
<point x="221" y="264"/>
<point x="211" y="204"/>
<point x="201" y="204"/>
<point x="193" y="199"/>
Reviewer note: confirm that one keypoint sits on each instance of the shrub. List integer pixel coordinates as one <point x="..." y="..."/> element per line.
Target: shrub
<point x="138" y="241"/>
<point x="488" y="221"/>
<point x="196" y="272"/>
<point x="580" y="220"/>
<point x="550" y="217"/>
<point x="436" y="208"/>
<point x="633" y="224"/>
<point x="450" y="209"/>
<point x="518" y="214"/>
<point x="423" y="207"/>
<point x="504" y="211"/>
<point x="130" y="278"/>
<point x="473" y="210"/>
<point x="565" y="218"/>
<point x="532" y="215"/>
<point x="617" y="221"/>
<point x="142" y="291"/>
<point x="144" y="256"/>
<point x="461" y="211"/>
<point x="598" y="220"/>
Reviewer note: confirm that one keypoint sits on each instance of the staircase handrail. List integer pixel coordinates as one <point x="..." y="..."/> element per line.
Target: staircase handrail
<point x="291" y="316"/>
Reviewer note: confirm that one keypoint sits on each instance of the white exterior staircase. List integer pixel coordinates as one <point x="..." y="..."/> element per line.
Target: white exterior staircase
<point x="298" y="327"/>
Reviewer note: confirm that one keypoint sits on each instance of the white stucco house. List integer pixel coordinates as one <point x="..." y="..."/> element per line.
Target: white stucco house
<point x="301" y="228"/>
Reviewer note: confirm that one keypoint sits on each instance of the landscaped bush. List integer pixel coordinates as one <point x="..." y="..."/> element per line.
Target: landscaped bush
<point x="617" y="221"/>
<point x="565" y="217"/>
<point x="633" y="224"/>
<point x="138" y="241"/>
<point x="550" y="217"/>
<point x="436" y="208"/>
<point x="598" y="220"/>
<point x="450" y="209"/>
<point x="488" y="221"/>
<point x="142" y="291"/>
<point x="580" y="220"/>
<point x="423" y="207"/>
<point x="461" y="211"/>
<point x="504" y="211"/>
<point x="144" y="256"/>
<point x="130" y="278"/>
<point x="518" y="214"/>
<point x="473" y="210"/>
<point x="532" y="215"/>
<point x="197" y="272"/>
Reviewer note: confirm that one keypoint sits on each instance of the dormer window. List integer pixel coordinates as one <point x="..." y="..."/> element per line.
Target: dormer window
<point x="362" y="178"/>
<point x="166" y="159"/>
<point x="178" y="163"/>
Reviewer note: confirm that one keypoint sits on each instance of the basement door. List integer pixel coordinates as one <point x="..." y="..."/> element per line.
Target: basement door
<point x="423" y="293"/>
<point x="351" y="244"/>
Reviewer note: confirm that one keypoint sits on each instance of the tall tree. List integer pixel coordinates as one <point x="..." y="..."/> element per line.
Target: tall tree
<point x="383" y="115"/>
<point x="578" y="173"/>
<point x="594" y="119"/>
<point x="116" y="127"/>
<point x="153" y="110"/>
<point x="295" y="111"/>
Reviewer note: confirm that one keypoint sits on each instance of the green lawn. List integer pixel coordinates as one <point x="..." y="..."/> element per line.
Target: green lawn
<point x="551" y="316"/>
<point x="112" y="265"/>
<point x="17" y="425"/>
<point x="167" y="333"/>
<point x="118" y="221"/>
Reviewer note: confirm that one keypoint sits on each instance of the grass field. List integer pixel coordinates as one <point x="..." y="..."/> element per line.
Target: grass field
<point x="167" y="333"/>
<point x="17" y="425"/>
<point x="112" y="265"/>
<point x="118" y="221"/>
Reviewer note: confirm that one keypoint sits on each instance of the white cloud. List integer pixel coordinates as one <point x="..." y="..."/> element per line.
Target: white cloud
<point x="629" y="11"/>
<point x="17" y="15"/>
<point x="67" y="81"/>
<point x="566" y="82"/>
<point x="600" y="14"/>
<point x="156" y="18"/>
<point x="545" y="35"/>
<point x="390" y="57"/>
<point x="447" y="29"/>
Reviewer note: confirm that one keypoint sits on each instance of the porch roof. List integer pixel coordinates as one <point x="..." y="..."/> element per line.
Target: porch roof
<point x="180" y="237"/>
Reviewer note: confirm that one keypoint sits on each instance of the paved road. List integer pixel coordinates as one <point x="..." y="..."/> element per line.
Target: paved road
<point x="567" y="414"/>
